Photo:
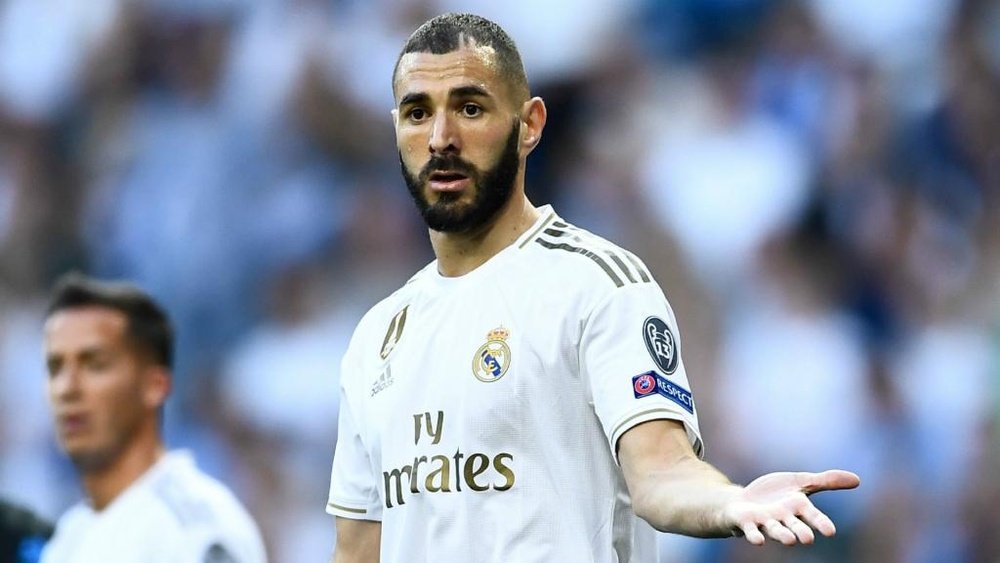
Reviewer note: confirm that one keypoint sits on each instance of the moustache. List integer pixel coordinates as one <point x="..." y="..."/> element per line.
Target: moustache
<point x="446" y="163"/>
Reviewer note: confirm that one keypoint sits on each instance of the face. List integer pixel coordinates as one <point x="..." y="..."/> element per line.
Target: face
<point x="101" y="392"/>
<point x="458" y="134"/>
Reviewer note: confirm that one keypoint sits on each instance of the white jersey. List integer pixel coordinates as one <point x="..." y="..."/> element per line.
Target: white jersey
<point x="174" y="513"/>
<point x="480" y="414"/>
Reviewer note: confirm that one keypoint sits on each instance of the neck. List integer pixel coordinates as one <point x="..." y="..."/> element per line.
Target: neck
<point x="460" y="253"/>
<point x="103" y="485"/>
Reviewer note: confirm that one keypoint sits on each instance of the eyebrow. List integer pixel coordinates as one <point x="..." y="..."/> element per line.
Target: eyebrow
<point x="459" y="92"/>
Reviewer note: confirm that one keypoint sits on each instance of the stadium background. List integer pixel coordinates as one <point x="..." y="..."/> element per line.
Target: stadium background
<point x="815" y="184"/>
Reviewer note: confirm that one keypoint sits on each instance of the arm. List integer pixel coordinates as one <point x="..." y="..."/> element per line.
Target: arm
<point x="676" y="492"/>
<point x="357" y="541"/>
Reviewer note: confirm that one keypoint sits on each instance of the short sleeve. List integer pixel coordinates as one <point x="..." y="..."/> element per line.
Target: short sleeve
<point x="353" y="485"/>
<point x="630" y="355"/>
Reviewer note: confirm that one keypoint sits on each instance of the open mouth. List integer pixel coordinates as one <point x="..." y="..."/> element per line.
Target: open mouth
<point x="447" y="180"/>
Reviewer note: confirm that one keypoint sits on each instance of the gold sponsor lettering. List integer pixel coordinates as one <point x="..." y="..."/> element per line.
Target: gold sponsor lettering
<point x="442" y="473"/>
<point x="472" y="471"/>
<point x="433" y="430"/>
<point x="413" y="478"/>
<point x="505" y="470"/>
<point x="396" y="474"/>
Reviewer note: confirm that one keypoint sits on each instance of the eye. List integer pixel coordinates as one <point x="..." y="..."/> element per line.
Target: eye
<point x="416" y="114"/>
<point x="471" y="110"/>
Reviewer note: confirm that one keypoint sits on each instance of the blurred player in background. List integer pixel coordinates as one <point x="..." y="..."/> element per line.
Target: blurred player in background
<point x="523" y="397"/>
<point x="22" y="534"/>
<point x="108" y="350"/>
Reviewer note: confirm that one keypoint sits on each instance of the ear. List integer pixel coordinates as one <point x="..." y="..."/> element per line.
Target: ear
<point x="158" y="382"/>
<point x="533" y="116"/>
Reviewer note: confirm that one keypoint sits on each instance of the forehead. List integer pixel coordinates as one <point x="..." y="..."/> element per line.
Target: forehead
<point x="84" y="327"/>
<point x="429" y="73"/>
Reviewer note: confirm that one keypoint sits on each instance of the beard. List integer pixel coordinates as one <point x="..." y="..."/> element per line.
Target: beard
<point x="493" y="189"/>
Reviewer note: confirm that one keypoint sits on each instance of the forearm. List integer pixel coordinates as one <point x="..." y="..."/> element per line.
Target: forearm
<point x="690" y="498"/>
<point x="357" y="541"/>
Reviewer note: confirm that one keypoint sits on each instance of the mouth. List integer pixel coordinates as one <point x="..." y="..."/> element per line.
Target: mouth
<point x="447" y="181"/>
<point x="72" y="424"/>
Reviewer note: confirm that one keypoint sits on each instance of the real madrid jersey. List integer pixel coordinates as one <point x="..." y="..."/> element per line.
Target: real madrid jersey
<point x="173" y="514"/>
<point x="480" y="414"/>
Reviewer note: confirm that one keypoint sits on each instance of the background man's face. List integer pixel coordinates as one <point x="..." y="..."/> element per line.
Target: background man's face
<point x="458" y="137"/>
<point x="96" y="384"/>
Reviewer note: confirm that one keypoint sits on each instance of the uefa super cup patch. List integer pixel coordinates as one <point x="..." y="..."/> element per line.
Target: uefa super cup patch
<point x="652" y="383"/>
<point x="661" y="344"/>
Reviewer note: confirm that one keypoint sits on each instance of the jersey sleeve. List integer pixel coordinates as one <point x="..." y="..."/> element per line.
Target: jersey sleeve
<point x="630" y="354"/>
<point x="353" y="485"/>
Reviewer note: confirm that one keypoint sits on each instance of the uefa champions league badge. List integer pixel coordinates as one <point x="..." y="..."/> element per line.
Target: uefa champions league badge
<point x="661" y="344"/>
<point x="492" y="359"/>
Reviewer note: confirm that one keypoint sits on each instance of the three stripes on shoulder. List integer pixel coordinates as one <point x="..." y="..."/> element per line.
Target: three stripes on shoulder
<point x="619" y="264"/>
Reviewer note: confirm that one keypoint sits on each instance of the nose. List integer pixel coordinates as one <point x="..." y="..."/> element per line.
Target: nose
<point x="444" y="135"/>
<point x="64" y="385"/>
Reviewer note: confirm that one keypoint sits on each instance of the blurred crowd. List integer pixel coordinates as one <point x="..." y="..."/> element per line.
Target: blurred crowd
<point x="812" y="183"/>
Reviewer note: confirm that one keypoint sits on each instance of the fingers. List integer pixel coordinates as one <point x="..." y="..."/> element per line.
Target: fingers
<point x="751" y="533"/>
<point x="831" y="480"/>
<point x="789" y="530"/>
<point x="777" y="531"/>
<point x="819" y="521"/>
<point x="803" y="533"/>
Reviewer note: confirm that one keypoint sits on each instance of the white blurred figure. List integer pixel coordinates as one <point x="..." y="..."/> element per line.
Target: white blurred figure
<point x="905" y="41"/>
<point x="280" y="385"/>
<point x="722" y="177"/>
<point x="43" y="46"/>
<point x="944" y="375"/>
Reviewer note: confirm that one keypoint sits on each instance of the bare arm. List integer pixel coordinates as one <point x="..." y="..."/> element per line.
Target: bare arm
<point x="357" y="541"/>
<point x="676" y="492"/>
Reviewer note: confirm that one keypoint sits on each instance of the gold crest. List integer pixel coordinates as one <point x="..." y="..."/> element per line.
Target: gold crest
<point x="492" y="359"/>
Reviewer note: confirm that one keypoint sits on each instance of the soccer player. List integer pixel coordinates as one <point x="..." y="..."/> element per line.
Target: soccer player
<point x="108" y="349"/>
<point x="523" y="397"/>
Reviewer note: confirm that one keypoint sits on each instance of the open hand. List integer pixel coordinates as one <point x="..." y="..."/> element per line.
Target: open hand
<point x="777" y="506"/>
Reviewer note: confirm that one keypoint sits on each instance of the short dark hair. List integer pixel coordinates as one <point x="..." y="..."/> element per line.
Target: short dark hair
<point x="444" y="34"/>
<point x="148" y="326"/>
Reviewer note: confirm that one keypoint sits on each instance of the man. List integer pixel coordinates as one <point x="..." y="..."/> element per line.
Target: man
<point x="22" y="534"/>
<point x="523" y="397"/>
<point x="108" y="349"/>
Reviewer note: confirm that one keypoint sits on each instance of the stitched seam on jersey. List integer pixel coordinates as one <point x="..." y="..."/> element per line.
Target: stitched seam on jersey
<point x="347" y="509"/>
<point x="588" y="239"/>
<point x="618" y="428"/>
<point x="551" y="216"/>
<point x="577" y="250"/>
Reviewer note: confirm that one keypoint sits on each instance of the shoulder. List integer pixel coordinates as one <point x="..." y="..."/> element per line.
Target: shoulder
<point x="579" y="259"/>
<point x="205" y="512"/>
<point x="392" y="309"/>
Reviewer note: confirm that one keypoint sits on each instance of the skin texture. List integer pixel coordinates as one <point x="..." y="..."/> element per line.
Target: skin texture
<point x="676" y="492"/>
<point x="456" y="106"/>
<point x="105" y="398"/>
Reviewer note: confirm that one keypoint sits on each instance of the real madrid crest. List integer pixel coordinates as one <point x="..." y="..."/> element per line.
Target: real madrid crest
<point x="493" y="358"/>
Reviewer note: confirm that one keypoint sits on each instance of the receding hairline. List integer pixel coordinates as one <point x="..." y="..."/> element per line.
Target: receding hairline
<point x="452" y="32"/>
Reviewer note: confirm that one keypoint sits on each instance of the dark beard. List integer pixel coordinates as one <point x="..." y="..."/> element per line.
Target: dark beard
<point x="493" y="189"/>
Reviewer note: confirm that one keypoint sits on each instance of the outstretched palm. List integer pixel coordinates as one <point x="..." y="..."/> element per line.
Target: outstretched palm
<point x="777" y="505"/>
